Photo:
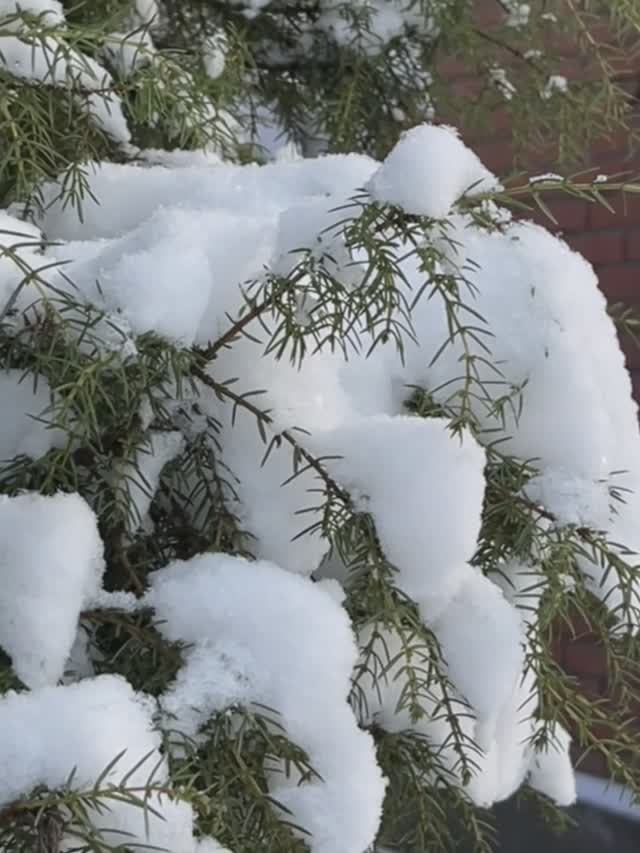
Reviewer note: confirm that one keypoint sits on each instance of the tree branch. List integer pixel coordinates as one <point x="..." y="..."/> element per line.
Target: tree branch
<point x="266" y="420"/>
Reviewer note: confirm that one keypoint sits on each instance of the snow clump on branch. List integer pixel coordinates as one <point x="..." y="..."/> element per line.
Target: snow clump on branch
<point x="189" y="252"/>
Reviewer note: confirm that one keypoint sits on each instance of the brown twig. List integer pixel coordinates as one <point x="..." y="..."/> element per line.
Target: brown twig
<point x="266" y="420"/>
<point x="209" y="353"/>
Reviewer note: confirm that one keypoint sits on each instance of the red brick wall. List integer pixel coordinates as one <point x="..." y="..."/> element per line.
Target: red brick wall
<point x="611" y="242"/>
<point x="583" y="658"/>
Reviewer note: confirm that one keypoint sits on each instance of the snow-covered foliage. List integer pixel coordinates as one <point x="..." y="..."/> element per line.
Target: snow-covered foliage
<point x="60" y="724"/>
<point x="299" y="464"/>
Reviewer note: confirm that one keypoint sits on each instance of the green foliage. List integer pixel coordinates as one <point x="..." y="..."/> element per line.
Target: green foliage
<point x="229" y="773"/>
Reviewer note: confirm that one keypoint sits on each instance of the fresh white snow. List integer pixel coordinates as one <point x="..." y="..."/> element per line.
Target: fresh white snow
<point x="428" y="170"/>
<point x="173" y="247"/>
<point x="289" y="647"/>
<point x="45" y="579"/>
<point x="26" y="418"/>
<point x="51" y="731"/>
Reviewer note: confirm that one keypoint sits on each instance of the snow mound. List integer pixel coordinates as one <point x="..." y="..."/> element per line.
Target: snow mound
<point x="177" y="248"/>
<point x="25" y="425"/>
<point x="50" y="732"/>
<point x="50" y="567"/>
<point x="428" y="170"/>
<point x="263" y="635"/>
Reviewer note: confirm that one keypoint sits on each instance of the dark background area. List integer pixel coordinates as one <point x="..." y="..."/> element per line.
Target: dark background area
<point x="522" y="831"/>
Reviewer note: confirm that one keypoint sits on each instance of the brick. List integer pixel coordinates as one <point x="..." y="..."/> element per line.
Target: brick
<point x="627" y="701"/>
<point x="452" y="67"/>
<point x="625" y="63"/>
<point x="470" y="86"/>
<point x="622" y="61"/>
<point x="497" y="129"/>
<point x="561" y="44"/>
<point x="601" y="731"/>
<point x="564" y="635"/>
<point x="570" y="214"/>
<point x="621" y="162"/>
<point x="592" y="686"/>
<point x="628" y="82"/>
<point x="585" y="658"/>
<point x="557" y="646"/>
<point x="592" y="763"/>
<point x="626" y="211"/>
<point x="600" y="247"/>
<point x="497" y="155"/>
<point x="606" y="148"/>
<point x="577" y="67"/>
<point x="621" y="282"/>
<point x="634" y="708"/>
<point x="578" y="629"/>
<point x="632" y="244"/>
<point x="602" y="32"/>
<point x="631" y="352"/>
<point x="488" y="14"/>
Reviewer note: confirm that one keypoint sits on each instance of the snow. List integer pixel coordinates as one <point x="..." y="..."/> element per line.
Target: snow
<point x="572" y="500"/>
<point x="263" y="635"/>
<point x="135" y="275"/>
<point x="507" y="736"/>
<point x="50" y="732"/>
<point x="428" y="534"/>
<point x="136" y="244"/>
<point x="214" y="54"/>
<point x="24" y="232"/>
<point x="45" y="58"/>
<point x="545" y="178"/>
<point x="129" y="51"/>
<point x="518" y="13"/>
<point x="607" y="795"/>
<point x="26" y="417"/>
<point x="540" y="282"/>
<point x="481" y="639"/>
<point x="383" y="685"/>
<point x="523" y="586"/>
<point x="382" y="21"/>
<point x="82" y="655"/>
<point x="565" y="382"/>
<point x="147" y="11"/>
<point x="268" y="501"/>
<point x="51" y="10"/>
<point x="555" y="83"/>
<point x="46" y="580"/>
<point x="178" y="159"/>
<point x="428" y="170"/>
<point x="499" y="78"/>
<point x="176" y="245"/>
<point x="140" y="479"/>
<point x="551" y="771"/>
<point x="313" y="227"/>
<point x="128" y="194"/>
<point x="33" y="61"/>
<point x="270" y="137"/>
